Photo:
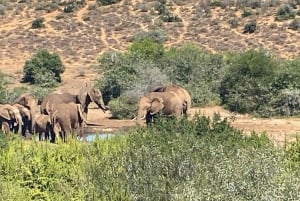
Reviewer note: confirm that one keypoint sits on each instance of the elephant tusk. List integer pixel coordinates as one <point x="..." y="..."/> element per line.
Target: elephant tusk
<point x="144" y="117"/>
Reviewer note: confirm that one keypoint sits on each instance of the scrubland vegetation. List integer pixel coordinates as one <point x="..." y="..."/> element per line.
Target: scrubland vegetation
<point x="201" y="159"/>
<point x="254" y="81"/>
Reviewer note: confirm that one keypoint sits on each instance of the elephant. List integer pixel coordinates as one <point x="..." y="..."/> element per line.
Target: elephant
<point x="67" y="118"/>
<point x="42" y="126"/>
<point x="26" y="118"/>
<point x="168" y="103"/>
<point x="84" y="98"/>
<point x="182" y="93"/>
<point x="30" y="102"/>
<point x="11" y="118"/>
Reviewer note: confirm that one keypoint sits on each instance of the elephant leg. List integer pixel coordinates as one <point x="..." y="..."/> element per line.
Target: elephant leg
<point x="149" y="118"/>
<point x="6" y="128"/>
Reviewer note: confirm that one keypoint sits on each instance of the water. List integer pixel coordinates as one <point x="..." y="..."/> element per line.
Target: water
<point x="92" y="137"/>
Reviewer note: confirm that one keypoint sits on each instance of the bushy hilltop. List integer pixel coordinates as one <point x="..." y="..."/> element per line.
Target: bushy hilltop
<point x="79" y="30"/>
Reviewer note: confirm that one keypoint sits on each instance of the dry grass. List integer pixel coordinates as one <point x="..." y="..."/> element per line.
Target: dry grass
<point x="80" y="36"/>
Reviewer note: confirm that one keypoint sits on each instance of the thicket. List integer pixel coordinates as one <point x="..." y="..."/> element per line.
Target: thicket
<point x="148" y="64"/>
<point x="254" y="81"/>
<point x="43" y="68"/>
<point x="185" y="160"/>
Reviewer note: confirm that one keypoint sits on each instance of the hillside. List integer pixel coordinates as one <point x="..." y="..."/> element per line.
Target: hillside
<point x="79" y="35"/>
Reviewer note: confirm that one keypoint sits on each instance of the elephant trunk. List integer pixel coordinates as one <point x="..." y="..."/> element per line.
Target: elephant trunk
<point x="102" y="106"/>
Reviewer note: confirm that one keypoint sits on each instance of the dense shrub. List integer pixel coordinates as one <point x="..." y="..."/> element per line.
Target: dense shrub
<point x="285" y="12"/>
<point x="245" y="86"/>
<point x="38" y="23"/>
<point x="195" y="69"/>
<point x="123" y="107"/>
<point x="43" y="68"/>
<point x="171" y="160"/>
<point x="295" y="24"/>
<point x="107" y="2"/>
<point x="250" y="27"/>
<point x="157" y="36"/>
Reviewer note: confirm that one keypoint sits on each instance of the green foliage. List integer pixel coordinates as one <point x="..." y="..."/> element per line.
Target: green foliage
<point x="44" y="68"/>
<point x="146" y="50"/>
<point x="245" y="87"/>
<point x="295" y="24"/>
<point x="129" y="71"/>
<point x="38" y="23"/>
<point x="122" y="107"/>
<point x="69" y="8"/>
<point x="207" y="160"/>
<point x="156" y="36"/>
<point x="181" y="159"/>
<point x="246" y="13"/>
<point x="107" y="2"/>
<point x="250" y="27"/>
<point x="285" y="12"/>
<point x="170" y="17"/>
<point x="197" y="70"/>
<point x="293" y="154"/>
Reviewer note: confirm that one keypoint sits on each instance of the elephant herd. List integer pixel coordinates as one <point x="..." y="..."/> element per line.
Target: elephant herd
<point x="59" y="114"/>
<point x="64" y="113"/>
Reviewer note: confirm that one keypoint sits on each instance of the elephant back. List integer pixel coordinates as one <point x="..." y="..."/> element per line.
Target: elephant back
<point x="52" y="100"/>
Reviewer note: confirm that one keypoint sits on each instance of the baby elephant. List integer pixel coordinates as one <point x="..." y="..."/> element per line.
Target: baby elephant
<point x="42" y="126"/>
<point x="67" y="118"/>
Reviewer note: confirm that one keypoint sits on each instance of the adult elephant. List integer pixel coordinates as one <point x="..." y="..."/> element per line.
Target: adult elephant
<point x="67" y="118"/>
<point x="84" y="98"/>
<point x="181" y="92"/>
<point x="11" y="118"/>
<point x="30" y="102"/>
<point x="168" y="103"/>
<point x="26" y="118"/>
<point x="42" y="126"/>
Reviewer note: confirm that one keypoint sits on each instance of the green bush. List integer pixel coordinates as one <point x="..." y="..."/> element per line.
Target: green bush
<point x="123" y="108"/>
<point x="122" y="72"/>
<point x="285" y="12"/>
<point x="42" y="68"/>
<point x="250" y="27"/>
<point x="245" y="87"/>
<point x="38" y="23"/>
<point x="181" y="159"/>
<point x="156" y="36"/>
<point x="107" y="2"/>
<point x="195" y="69"/>
<point x="69" y="8"/>
<point x="295" y="24"/>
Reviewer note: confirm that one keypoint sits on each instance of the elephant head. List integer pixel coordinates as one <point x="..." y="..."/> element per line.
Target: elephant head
<point x="181" y="92"/>
<point x="12" y="116"/>
<point x="29" y="102"/>
<point x="88" y="95"/>
<point x="149" y="106"/>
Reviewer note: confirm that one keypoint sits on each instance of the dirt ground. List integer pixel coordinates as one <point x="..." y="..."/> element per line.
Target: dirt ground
<point x="279" y="130"/>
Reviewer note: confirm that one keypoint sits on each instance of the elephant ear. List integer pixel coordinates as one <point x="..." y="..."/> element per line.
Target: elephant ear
<point x="80" y="113"/>
<point x="82" y="97"/>
<point x="156" y="105"/>
<point x="5" y="114"/>
<point x="160" y="89"/>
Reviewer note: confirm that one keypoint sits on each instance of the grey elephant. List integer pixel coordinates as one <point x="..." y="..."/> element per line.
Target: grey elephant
<point x="42" y="126"/>
<point x="26" y="118"/>
<point x="168" y="103"/>
<point x="11" y="118"/>
<point x="84" y="98"/>
<point x="181" y="92"/>
<point x="29" y="102"/>
<point x="67" y="118"/>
